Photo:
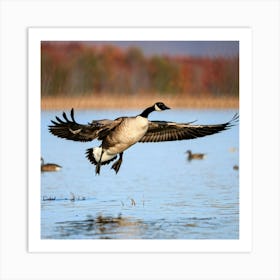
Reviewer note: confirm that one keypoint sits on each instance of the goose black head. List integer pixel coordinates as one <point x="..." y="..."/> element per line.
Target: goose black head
<point x="159" y="106"/>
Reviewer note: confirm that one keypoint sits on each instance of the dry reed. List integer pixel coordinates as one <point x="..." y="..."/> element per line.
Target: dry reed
<point x="106" y="101"/>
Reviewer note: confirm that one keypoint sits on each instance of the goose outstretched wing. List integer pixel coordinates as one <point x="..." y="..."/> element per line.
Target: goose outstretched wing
<point x="159" y="131"/>
<point x="71" y="130"/>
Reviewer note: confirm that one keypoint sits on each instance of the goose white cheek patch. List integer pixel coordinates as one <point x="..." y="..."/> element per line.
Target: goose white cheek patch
<point x="157" y="108"/>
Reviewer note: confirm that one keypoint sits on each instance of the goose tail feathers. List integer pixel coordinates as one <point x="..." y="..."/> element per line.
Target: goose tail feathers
<point x="94" y="154"/>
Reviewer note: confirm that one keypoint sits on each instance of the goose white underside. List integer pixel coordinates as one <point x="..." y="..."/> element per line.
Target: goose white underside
<point x="132" y="130"/>
<point x="105" y="157"/>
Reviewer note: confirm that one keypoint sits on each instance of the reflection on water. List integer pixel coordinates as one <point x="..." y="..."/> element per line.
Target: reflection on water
<point x="99" y="227"/>
<point x="157" y="194"/>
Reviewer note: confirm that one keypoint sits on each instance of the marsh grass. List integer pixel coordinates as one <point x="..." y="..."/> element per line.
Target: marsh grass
<point x="109" y="101"/>
<point x="72" y="198"/>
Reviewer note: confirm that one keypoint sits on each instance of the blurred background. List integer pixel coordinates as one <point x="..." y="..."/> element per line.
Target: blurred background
<point x="134" y="74"/>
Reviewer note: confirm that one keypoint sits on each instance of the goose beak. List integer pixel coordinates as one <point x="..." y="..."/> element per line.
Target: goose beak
<point x="166" y="108"/>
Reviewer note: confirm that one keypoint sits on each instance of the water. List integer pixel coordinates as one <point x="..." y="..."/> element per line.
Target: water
<point x="157" y="193"/>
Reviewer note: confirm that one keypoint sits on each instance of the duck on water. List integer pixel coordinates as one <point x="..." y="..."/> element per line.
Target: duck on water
<point x="49" y="166"/>
<point x="192" y="156"/>
<point x="118" y="135"/>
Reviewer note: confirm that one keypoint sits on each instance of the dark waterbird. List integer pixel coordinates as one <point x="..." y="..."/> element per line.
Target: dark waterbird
<point x="192" y="156"/>
<point x="236" y="167"/>
<point x="118" y="135"/>
<point x="49" y="166"/>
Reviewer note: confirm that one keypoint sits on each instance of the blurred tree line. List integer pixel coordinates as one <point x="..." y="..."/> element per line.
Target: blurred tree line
<point x="75" y="68"/>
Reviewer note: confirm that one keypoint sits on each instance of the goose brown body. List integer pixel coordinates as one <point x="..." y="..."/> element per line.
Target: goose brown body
<point x="118" y="135"/>
<point x="127" y="133"/>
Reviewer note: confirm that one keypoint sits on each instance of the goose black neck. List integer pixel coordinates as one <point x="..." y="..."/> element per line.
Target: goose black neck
<point x="147" y="111"/>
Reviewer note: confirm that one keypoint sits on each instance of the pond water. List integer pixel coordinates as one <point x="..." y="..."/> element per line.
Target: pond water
<point x="157" y="194"/>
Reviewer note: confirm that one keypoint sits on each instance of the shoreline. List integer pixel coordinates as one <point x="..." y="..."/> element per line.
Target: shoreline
<point x="138" y="101"/>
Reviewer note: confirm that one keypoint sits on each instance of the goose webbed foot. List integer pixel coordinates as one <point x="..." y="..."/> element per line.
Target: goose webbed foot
<point x="116" y="166"/>
<point x="97" y="169"/>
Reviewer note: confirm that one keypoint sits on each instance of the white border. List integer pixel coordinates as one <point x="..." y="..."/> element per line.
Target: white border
<point x="243" y="35"/>
<point x="262" y="16"/>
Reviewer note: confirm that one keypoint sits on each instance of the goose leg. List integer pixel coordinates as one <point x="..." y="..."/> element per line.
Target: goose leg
<point x="97" y="168"/>
<point x="116" y="166"/>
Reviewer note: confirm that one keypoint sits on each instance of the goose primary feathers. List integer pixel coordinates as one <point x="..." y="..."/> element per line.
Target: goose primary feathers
<point x="119" y="134"/>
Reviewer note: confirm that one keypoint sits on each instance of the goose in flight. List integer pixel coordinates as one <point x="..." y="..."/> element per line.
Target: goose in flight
<point x="118" y="135"/>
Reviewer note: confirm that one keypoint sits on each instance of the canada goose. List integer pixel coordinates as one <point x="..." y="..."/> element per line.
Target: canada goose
<point x="119" y="134"/>
<point x="49" y="166"/>
<point x="192" y="156"/>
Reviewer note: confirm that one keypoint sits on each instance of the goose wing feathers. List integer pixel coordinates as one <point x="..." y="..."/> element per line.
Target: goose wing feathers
<point x="71" y="130"/>
<point x="159" y="131"/>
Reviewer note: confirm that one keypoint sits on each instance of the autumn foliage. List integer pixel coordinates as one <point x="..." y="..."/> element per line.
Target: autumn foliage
<point x="74" y="68"/>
